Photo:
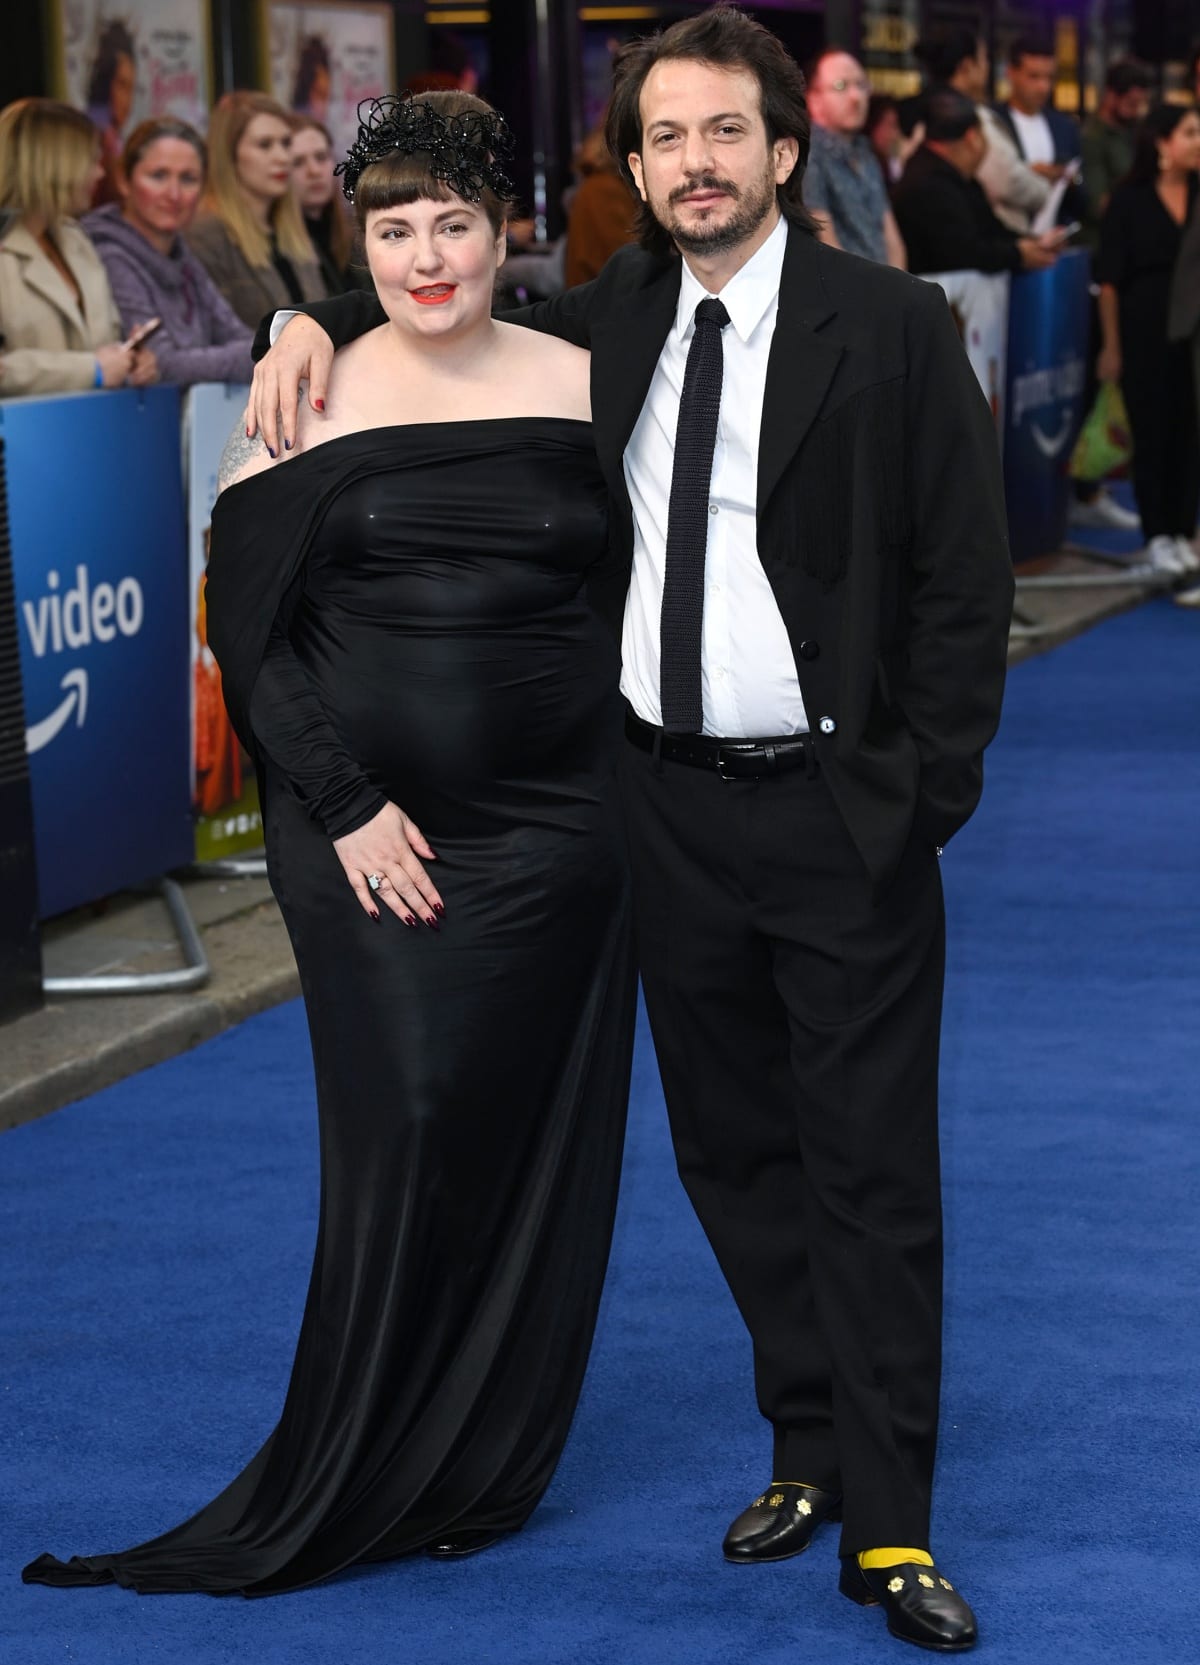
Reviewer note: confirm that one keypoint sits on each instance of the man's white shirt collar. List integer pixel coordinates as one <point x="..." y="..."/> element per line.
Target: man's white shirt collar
<point x="749" y="294"/>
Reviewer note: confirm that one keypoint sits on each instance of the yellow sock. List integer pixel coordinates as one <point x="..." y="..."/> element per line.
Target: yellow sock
<point x="869" y="1558"/>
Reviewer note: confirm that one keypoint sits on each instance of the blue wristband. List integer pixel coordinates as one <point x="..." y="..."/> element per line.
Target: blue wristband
<point x="98" y="378"/>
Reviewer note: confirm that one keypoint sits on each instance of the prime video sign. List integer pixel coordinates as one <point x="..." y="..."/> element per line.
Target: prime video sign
<point x="1049" y="396"/>
<point x="62" y="623"/>
<point x="99" y="567"/>
<point x="1043" y="407"/>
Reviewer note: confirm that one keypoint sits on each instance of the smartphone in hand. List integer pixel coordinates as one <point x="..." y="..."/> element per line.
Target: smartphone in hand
<point x="141" y="333"/>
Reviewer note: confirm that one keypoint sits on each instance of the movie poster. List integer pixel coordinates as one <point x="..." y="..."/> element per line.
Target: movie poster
<point x="124" y="60"/>
<point x="225" y="808"/>
<point x="324" y="59"/>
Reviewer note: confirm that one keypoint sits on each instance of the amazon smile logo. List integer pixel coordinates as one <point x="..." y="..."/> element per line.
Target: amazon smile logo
<point x="1034" y="393"/>
<point x="64" y="621"/>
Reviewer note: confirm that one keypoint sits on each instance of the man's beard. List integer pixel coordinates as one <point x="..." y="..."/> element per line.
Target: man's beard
<point x="751" y="209"/>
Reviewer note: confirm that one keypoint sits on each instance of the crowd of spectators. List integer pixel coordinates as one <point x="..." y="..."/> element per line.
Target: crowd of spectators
<point x="950" y="185"/>
<point x="127" y="261"/>
<point x="157" y="262"/>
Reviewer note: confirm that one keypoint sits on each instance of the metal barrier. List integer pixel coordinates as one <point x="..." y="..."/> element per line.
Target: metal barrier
<point x="192" y="976"/>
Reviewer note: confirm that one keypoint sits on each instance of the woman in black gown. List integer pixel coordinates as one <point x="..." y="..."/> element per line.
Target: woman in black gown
<point x="1140" y="237"/>
<point x="399" y="614"/>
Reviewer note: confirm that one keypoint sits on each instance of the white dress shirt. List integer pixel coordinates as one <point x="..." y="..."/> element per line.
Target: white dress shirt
<point x="1035" y="134"/>
<point x="749" y="685"/>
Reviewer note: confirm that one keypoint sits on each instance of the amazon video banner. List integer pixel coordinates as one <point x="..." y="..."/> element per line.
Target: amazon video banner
<point x="1047" y="377"/>
<point x="224" y="791"/>
<point x="96" y="516"/>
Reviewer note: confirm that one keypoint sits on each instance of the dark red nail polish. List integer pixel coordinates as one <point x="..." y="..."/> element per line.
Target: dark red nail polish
<point x="439" y="909"/>
<point x="249" y="435"/>
<point x="433" y="924"/>
<point x="409" y="919"/>
<point x="375" y="915"/>
<point x="319" y="403"/>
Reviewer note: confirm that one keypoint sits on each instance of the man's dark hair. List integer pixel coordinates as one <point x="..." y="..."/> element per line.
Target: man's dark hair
<point x="1030" y="46"/>
<point x="1124" y="74"/>
<point x="942" y="50"/>
<point x="949" y="115"/>
<point x="727" y="39"/>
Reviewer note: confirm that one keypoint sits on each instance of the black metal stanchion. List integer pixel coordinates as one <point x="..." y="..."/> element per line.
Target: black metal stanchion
<point x="20" y="950"/>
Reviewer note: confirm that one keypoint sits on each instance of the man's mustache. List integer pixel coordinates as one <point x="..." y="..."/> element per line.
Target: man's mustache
<point x="703" y="182"/>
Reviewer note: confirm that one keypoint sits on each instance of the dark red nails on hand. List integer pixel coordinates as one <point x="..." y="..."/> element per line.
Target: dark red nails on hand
<point x="439" y="909"/>
<point x="319" y="403"/>
<point x="409" y="920"/>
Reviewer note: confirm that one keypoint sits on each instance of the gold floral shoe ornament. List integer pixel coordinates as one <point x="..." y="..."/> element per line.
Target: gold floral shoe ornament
<point x="921" y="1606"/>
<point x="780" y="1523"/>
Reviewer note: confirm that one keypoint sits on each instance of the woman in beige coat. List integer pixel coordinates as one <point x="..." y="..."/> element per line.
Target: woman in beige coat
<point x="61" y="328"/>
<point x="250" y="232"/>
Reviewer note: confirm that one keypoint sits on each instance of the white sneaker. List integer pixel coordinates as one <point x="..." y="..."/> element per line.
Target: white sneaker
<point x="1162" y="553"/>
<point x="1188" y="555"/>
<point x="1187" y="598"/>
<point x="1103" y="513"/>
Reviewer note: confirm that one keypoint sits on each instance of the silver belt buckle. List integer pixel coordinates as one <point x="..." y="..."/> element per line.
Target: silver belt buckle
<point x="734" y="751"/>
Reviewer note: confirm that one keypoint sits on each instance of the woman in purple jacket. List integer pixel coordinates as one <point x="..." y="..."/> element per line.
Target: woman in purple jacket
<point x="153" y="273"/>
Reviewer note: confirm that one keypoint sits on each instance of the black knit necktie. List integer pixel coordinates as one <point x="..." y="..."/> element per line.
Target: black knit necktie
<point x="687" y="524"/>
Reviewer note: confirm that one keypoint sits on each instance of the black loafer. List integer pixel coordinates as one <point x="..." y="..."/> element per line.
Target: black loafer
<point x="452" y="1546"/>
<point x="921" y="1605"/>
<point x="780" y="1523"/>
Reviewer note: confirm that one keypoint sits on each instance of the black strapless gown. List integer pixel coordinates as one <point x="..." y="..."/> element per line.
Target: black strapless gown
<point x="471" y="1084"/>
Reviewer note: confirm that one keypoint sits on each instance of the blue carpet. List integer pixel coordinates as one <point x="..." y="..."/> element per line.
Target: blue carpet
<point x="157" y="1240"/>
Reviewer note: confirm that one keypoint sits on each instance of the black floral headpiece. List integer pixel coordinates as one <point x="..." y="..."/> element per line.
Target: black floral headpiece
<point x="464" y="150"/>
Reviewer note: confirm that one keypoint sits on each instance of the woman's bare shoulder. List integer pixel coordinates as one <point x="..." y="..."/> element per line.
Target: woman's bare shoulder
<point x="242" y="458"/>
<point x="546" y="349"/>
<point x="561" y="371"/>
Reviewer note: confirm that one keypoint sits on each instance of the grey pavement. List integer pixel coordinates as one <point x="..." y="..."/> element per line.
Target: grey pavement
<point x="79" y="1043"/>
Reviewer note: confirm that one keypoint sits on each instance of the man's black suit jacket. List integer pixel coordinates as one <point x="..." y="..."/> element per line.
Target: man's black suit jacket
<point x="1068" y="144"/>
<point x="1064" y="130"/>
<point x="947" y="222"/>
<point x="881" y="523"/>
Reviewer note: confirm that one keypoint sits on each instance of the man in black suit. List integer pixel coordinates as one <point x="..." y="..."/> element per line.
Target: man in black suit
<point x="1046" y="138"/>
<point x="812" y="587"/>
<point x="943" y="213"/>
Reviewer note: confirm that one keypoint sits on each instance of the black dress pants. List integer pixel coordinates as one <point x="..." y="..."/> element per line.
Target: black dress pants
<point x="1156" y="380"/>
<point x="796" y="1023"/>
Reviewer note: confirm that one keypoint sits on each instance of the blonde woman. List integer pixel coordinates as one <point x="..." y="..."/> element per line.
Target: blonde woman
<point x="250" y="232"/>
<point x="61" y="328"/>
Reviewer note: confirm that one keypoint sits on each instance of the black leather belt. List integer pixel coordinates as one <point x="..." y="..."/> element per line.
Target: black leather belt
<point x="731" y="759"/>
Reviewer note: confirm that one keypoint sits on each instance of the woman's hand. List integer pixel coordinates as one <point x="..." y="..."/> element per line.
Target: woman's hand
<point x="391" y="845"/>
<point x="145" y="368"/>
<point x="1108" y="364"/>
<point x="303" y="349"/>
<point x="116" y="363"/>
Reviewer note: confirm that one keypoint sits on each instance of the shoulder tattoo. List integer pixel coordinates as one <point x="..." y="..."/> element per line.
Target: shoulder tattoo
<point x="237" y="453"/>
